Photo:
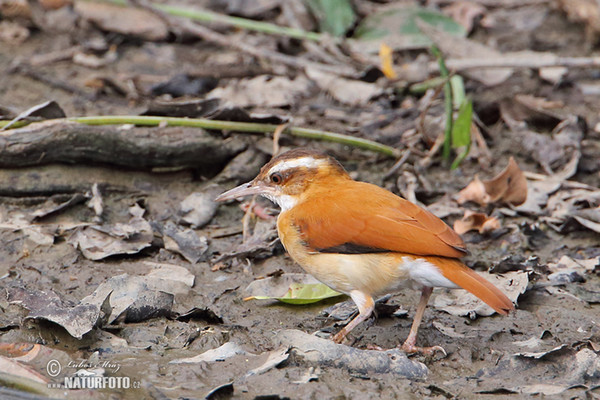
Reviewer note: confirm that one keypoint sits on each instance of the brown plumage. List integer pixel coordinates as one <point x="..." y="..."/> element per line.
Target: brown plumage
<point x="363" y="240"/>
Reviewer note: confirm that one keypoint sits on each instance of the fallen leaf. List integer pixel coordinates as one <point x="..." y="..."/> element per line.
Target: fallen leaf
<point x="541" y="354"/>
<point x="259" y="244"/>
<point x="51" y="207"/>
<point x="76" y="320"/>
<point x="586" y="12"/>
<point x="125" y="20"/>
<point x="387" y="61"/>
<point x="476" y="221"/>
<point x="579" y="204"/>
<point x="396" y="26"/>
<point x="222" y="353"/>
<point x="509" y="186"/>
<point x="562" y="270"/>
<point x="465" y="13"/>
<point x="344" y="90"/>
<point x="100" y="241"/>
<point x="198" y="208"/>
<point x="262" y="91"/>
<point x="460" y="302"/>
<point x="274" y="358"/>
<point x="46" y="110"/>
<point x="333" y="16"/>
<point x="290" y="288"/>
<point x="186" y="242"/>
<point x="141" y="294"/>
<point x="538" y="191"/>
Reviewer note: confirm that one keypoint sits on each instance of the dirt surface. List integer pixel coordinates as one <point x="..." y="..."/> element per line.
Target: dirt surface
<point x="549" y="347"/>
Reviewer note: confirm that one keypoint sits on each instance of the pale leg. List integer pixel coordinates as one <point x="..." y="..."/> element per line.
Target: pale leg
<point x="365" y="304"/>
<point x="409" y="345"/>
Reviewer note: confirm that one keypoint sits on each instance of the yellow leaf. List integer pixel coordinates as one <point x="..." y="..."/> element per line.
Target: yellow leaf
<point x="387" y="64"/>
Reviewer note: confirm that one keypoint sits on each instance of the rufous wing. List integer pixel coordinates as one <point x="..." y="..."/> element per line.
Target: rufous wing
<point x="366" y="216"/>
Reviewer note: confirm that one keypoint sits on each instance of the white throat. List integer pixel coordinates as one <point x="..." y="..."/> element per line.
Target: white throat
<point x="284" y="201"/>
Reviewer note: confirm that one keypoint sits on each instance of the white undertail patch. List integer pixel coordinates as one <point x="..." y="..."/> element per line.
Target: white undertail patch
<point x="426" y="274"/>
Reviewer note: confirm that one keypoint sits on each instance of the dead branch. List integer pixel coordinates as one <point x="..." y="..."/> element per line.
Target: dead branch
<point x="133" y="147"/>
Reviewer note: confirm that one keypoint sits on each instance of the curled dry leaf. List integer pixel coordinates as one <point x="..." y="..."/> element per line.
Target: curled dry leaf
<point x="509" y="186"/>
<point x="476" y="221"/>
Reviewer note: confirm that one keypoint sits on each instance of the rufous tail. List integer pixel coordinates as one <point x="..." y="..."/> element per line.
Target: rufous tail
<point x="471" y="281"/>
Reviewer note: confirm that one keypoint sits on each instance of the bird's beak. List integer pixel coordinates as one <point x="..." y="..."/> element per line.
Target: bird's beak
<point x="246" y="189"/>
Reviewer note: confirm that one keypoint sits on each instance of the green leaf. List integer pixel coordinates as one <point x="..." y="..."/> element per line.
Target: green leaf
<point x="461" y="130"/>
<point x="397" y="27"/>
<point x="334" y="16"/>
<point x="304" y="293"/>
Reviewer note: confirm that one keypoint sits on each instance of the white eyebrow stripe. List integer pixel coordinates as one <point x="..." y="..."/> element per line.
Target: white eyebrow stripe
<point x="307" y="162"/>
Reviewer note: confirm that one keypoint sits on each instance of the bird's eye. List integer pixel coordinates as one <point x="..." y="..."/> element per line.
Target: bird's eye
<point x="276" y="178"/>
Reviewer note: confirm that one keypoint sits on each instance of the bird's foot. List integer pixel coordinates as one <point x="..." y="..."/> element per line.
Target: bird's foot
<point x="339" y="337"/>
<point x="409" y="348"/>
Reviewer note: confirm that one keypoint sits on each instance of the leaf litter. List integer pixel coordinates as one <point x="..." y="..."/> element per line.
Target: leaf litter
<point x="542" y="131"/>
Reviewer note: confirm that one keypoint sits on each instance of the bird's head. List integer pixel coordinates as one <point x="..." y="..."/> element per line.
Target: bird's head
<point x="290" y="176"/>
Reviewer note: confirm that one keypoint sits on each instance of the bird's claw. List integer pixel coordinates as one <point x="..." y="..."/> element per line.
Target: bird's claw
<point x="427" y="351"/>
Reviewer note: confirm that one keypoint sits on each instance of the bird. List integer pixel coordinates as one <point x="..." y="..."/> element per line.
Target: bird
<point x="363" y="240"/>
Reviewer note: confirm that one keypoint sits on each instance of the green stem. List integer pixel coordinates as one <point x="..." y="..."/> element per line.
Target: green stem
<point x="209" y="16"/>
<point x="447" y="103"/>
<point x="250" y="127"/>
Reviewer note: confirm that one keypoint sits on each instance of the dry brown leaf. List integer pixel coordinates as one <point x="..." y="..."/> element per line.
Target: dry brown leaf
<point x="476" y="221"/>
<point x="509" y="186"/>
<point x="465" y="13"/>
<point x="262" y="91"/>
<point x="586" y="11"/>
<point x="124" y="20"/>
<point x="348" y="91"/>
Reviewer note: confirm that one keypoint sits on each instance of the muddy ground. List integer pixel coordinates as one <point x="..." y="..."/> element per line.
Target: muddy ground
<point x="486" y="355"/>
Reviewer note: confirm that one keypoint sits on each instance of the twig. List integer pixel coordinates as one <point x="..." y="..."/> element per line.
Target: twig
<point x="447" y="103"/>
<point x="294" y="62"/>
<point x="517" y="60"/>
<point x="53" y="82"/>
<point x="276" y="135"/>
<point x="197" y="14"/>
<point x="398" y="164"/>
<point x="250" y="127"/>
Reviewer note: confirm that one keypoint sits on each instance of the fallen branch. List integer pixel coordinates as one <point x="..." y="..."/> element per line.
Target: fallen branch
<point x="86" y="139"/>
<point x="249" y="127"/>
<point x="67" y="141"/>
